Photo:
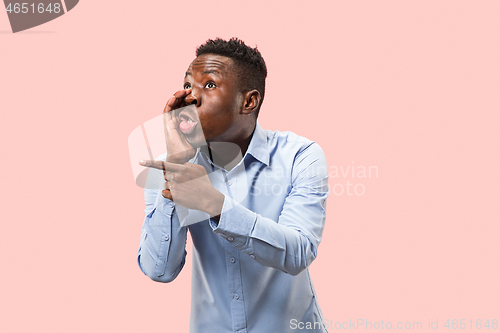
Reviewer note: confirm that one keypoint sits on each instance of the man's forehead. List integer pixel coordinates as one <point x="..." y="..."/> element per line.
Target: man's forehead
<point x="210" y="62"/>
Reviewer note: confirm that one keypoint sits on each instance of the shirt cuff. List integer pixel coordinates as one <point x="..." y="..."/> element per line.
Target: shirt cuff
<point x="236" y="222"/>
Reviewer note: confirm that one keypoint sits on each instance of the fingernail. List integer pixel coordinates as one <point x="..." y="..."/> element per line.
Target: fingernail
<point x="142" y="162"/>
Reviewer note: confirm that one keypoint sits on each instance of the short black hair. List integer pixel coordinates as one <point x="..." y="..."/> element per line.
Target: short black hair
<point x="251" y="68"/>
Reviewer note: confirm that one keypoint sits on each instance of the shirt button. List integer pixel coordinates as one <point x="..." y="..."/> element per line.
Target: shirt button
<point x="236" y="296"/>
<point x="232" y="260"/>
<point x="252" y="256"/>
<point x="167" y="237"/>
<point x="171" y="204"/>
<point x="230" y="239"/>
<point x="229" y="183"/>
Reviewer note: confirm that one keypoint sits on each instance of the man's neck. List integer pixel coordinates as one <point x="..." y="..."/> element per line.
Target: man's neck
<point x="228" y="154"/>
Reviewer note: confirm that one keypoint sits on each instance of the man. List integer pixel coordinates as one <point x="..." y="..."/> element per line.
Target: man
<point x="255" y="213"/>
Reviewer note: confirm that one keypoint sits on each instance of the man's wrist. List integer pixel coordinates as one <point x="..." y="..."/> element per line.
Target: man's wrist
<point x="182" y="157"/>
<point x="213" y="205"/>
<point x="176" y="160"/>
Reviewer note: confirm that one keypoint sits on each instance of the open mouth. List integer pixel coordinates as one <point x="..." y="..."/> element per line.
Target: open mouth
<point x="187" y="124"/>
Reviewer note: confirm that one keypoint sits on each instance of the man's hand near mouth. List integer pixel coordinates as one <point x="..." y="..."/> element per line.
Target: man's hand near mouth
<point x="179" y="150"/>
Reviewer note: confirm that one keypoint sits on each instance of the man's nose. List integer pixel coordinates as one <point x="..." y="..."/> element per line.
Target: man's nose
<point x="192" y="99"/>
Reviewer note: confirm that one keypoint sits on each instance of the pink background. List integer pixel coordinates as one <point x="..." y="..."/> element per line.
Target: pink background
<point x="411" y="87"/>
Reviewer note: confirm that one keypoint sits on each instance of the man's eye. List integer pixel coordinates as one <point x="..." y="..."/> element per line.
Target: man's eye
<point x="187" y="85"/>
<point x="210" y="85"/>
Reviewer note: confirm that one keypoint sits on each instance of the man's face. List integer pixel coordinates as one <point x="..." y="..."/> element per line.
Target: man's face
<point x="218" y="100"/>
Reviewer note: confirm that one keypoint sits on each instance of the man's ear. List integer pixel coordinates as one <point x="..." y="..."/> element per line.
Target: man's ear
<point x="251" y="101"/>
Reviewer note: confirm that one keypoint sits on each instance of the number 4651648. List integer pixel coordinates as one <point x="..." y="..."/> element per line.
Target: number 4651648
<point x="24" y="8"/>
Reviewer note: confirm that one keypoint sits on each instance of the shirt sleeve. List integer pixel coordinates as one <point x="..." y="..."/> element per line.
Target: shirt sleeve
<point x="162" y="253"/>
<point x="289" y="244"/>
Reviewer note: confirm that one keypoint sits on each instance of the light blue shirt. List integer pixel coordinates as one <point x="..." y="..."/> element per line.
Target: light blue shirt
<point x="250" y="269"/>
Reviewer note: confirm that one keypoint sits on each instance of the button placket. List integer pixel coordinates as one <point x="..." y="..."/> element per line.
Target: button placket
<point x="233" y="263"/>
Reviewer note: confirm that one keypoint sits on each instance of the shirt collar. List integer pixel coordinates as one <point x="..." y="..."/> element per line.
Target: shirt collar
<point x="258" y="147"/>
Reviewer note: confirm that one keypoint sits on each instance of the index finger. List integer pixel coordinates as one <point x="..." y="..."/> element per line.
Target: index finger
<point x="152" y="164"/>
<point x="161" y="165"/>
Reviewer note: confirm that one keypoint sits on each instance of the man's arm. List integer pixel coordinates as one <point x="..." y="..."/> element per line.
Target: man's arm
<point x="289" y="244"/>
<point x="162" y="253"/>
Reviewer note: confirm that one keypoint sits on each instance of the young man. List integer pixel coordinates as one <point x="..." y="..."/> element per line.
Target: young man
<point x="255" y="213"/>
